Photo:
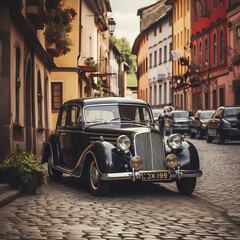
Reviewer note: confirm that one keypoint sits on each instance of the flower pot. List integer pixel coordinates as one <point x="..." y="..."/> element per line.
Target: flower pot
<point x="31" y="186"/>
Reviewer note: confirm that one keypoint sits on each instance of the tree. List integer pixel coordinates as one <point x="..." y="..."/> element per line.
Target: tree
<point x="124" y="48"/>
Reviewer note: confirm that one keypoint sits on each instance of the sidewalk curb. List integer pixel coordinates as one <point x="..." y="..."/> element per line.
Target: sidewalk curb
<point x="9" y="196"/>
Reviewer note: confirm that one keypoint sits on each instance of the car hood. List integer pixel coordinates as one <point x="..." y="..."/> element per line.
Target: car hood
<point x="116" y="128"/>
<point x="232" y="119"/>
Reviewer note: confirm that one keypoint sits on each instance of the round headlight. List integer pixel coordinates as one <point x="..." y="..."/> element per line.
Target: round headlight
<point x="174" y="141"/>
<point x="136" y="162"/>
<point x="171" y="160"/>
<point x="124" y="142"/>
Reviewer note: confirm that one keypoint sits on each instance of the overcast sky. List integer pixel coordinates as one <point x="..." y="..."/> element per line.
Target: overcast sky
<point x="124" y="13"/>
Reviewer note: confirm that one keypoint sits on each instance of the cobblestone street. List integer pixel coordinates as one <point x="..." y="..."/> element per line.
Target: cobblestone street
<point x="220" y="183"/>
<point x="67" y="210"/>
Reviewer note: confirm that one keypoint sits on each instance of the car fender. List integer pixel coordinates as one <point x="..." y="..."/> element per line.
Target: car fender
<point x="52" y="147"/>
<point x="108" y="158"/>
<point x="187" y="155"/>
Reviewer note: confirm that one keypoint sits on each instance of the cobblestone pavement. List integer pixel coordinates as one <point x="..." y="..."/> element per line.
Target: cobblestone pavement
<point x="220" y="183"/>
<point x="67" y="210"/>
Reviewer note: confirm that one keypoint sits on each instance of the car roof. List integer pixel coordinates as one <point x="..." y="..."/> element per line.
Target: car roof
<point x="106" y="100"/>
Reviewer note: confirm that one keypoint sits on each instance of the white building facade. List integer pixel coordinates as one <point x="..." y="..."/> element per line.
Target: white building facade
<point x="160" y="61"/>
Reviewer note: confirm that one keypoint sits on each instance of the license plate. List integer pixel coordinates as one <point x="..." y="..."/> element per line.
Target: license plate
<point x="156" y="176"/>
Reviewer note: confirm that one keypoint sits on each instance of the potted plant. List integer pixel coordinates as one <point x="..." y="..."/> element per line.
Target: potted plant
<point x="26" y="168"/>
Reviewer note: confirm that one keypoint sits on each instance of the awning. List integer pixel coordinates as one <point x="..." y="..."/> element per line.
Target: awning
<point x="97" y="75"/>
<point x="87" y="68"/>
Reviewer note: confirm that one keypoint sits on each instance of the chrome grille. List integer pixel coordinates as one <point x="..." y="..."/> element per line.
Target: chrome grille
<point x="150" y="147"/>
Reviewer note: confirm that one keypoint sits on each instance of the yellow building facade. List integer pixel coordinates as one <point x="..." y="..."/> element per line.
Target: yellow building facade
<point x="181" y="46"/>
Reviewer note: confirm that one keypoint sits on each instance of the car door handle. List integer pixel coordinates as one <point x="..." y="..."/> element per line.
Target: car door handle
<point x="63" y="134"/>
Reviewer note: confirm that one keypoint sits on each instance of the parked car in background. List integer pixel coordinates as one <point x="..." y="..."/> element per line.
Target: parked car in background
<point x="177" y="122"/>
<point x="157" y="112"/>
<point x="223" y="125"/>
<point x="197" y="126"/>
<point x="114" y="139"/>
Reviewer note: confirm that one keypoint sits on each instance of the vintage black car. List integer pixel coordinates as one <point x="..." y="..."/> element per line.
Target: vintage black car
<point x="109" y="139"/>
<point x="177" y="122"/>
<point x="223" y="125"/>
<point x="197" y="126"/>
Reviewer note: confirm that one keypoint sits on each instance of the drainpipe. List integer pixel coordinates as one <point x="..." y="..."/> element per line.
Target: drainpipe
<point x="80" y="40"/>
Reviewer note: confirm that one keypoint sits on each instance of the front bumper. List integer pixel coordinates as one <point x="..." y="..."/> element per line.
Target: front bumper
<point x="135" y="175"/>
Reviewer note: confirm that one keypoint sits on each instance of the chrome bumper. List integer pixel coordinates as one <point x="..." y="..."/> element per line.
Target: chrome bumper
<point x="175" y="175"/>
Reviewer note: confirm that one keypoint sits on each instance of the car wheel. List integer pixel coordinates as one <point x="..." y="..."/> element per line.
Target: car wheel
<point x="54" y="174"/>
<point x="208" y="138"/>
<point x="97" y="186"/>
<point x="192" y="135"/>
<point x="186" y="185"/>
<point x="220" y="138"/>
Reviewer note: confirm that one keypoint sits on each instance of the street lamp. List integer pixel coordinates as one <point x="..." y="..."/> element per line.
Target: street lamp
<point x="111" y="25"/>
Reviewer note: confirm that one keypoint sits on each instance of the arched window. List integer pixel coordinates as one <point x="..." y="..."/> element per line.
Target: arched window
<point x="39" y="97"/>
<point x="200" y="56"/>
<point x="18" y="84"/>
<point x="195" y="55"/>
<point x="214" y="49"/>
<point x="206" y="53"/>
<point x="221" y="47"/>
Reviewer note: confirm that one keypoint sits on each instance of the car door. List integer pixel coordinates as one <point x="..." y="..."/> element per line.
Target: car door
<point x="74" y="135"/>
<point x="61" y="132"/>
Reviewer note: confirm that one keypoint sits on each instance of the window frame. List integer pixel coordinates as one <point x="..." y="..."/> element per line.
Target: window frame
<point x="60" y="95"/>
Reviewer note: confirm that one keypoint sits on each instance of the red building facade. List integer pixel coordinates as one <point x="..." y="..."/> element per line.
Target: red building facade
<point x="211" y="84"/>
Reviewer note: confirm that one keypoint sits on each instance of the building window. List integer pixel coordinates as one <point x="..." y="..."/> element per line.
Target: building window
<point x="221" y="47"/>
<point x="206" y="6"/>
<point x="160" y="28"/>
<point x="221" y="97"/>
<point x="57" y="95"/>
<point x="146" y="64"/>
<point x="170" y="51"/>
<point x="150" y="95"/>
<point x="206" y="53"/>
<point x="195" y="55"/>
<point x="155" y="95"/>
<point x="155" y="32"/>
<point x="165" y="93"/>
<point x="165" y="53"/>
<point x="160" y="55"/>
<point x="150" y="60"/>
<point x="18" y="84"/>
<point x="194" y="11"/>
<point x="214" y="49"/>
<point x="214" y="4"/>
<point x="200" y="56"/>
<point x="220" y="2"/>
<point x="160" y="94"/>
<point x="200" y="8"/>
<point x="155" y="58"/>
<point x="39" y="98"/>
<point x="214" y="99"/>
<point x="206" y="101"/>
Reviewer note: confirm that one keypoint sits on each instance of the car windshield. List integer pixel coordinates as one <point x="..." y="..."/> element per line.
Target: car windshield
<point x="117" y="113"/>
<point x="181" y="114"/>
<point x="206" y="115"/>
<point x="157" y="112"/>
<point x="231" y="111"/>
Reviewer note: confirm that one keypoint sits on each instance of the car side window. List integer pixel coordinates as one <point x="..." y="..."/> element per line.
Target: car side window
<point x="63" y="118"/>
<point x="75" y="116"/>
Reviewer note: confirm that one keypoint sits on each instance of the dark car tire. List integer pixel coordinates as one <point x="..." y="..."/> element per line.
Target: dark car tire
<point x="54" y="174"/>
<point x="97" y="186"/>
<point x="208" y="138"/>
<point x="191" y="134"/>
<point x="186" y="185"/>
<point x="199" y="134"/>
<point x="220" y="138"/>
